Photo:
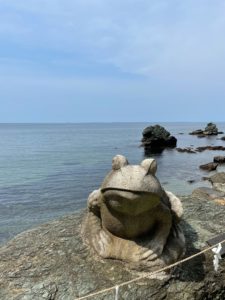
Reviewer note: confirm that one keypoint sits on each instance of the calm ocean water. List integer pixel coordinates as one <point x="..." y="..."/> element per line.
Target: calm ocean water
<point x="48" y="170"/>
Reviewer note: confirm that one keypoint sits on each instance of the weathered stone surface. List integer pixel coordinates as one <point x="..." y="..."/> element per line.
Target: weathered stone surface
<point x="210" y="129"/>
<point x="156" y="138"/>
<point x="186" y="150"/>
<point x="197" y="132"/>
<point x="216" y="193"/>
<point x="218" y="178"/>
<point x="132" y="218"/>
<point x="207" y="193"/>
<point x="213" y="148"/>
<point x="200" y="149"/>
<point x="51" y="262"/>
<point x="219" y="159"/>
<point x="209" y="167"/>
<point x="218" y="181"/>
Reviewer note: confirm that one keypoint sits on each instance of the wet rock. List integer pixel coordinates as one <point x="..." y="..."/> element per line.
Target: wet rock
<point x="207" y="193"/>
<point x="196" y="132"/>
<point x="211" y="129"/>
<point x="209" y="167"/>
<point x="51" y="262"/>
<point x="223" y="138"/>
<point x="212" y="148"/>
<point x="186" y="150"/>
<point x="191" y="181"/>
<point x="219" y="159"/>
<point x="156" y="138"/>
<point x="218" y="181"/>
<point x="218" y="178"/>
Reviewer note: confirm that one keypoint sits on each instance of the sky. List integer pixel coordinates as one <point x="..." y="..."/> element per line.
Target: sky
<point x="112" y="60"/>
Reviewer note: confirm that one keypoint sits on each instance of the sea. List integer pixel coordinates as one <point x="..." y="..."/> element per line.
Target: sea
<point x="48" y="170"/>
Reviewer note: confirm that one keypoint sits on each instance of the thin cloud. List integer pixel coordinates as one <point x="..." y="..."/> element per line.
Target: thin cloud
<point x="145" y="51"/>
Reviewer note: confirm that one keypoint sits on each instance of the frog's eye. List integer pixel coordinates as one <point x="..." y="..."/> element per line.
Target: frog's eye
<point x="119" y="161"/>
<point x="149" y="165"/>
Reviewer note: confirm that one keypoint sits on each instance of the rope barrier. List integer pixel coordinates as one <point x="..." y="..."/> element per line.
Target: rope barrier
<point x="149" y="274"/>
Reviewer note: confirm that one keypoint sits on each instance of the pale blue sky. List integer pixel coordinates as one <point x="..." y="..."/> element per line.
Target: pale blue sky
<point x="112" y="60"/>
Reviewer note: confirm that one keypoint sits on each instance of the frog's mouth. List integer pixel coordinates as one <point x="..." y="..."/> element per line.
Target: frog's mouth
<point x="129" y="201"/>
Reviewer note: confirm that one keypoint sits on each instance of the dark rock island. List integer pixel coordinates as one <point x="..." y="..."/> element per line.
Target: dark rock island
<point x="156" y="138"/>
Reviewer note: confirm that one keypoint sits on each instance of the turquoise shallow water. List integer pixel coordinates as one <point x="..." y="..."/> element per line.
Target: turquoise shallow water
<point x="48" y="170"/>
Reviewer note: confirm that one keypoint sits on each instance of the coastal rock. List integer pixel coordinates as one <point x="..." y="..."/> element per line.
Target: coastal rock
<point x="186" y="150"/>
<point x="51" y="262"/>
<point x="114" y="225"/>
<point x="212" y="148"/>
<point x="218" y="178"/>
<point x="156" y="138"/>
<point x="197" y="132"/>
<point x="210" y="129"/>
<point x="219" y="159"/>
<point x="209" y="167"/>
<point x="200" y="149"/>
<point x="207" y="193"/>
<point x="218" y="181"/>
<point x="201" y="135"/>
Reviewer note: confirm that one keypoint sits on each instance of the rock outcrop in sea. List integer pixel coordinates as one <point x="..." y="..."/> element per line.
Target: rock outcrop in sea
<point x="210" y="129"/>
<point x="156" y="138"/>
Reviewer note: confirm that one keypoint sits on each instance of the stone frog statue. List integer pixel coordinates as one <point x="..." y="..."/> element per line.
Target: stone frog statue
<point x="132" y="218"/>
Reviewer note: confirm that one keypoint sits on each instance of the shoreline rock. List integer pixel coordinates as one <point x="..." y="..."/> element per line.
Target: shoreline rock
<point x="200" y="149"/>
<point x="210" y="129"/>
<point x="219" y="159"/>
<point x="156" y="138"/>
<point x="209" y="166"/>
<point x="51" y="262"/>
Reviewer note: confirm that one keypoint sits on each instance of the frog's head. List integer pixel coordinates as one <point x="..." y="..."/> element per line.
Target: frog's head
<point x="131" y="189"/>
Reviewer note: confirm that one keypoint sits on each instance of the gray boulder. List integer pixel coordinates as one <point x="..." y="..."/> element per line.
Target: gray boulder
<point x="218" y="178"/>
<point x="218" y="181"/>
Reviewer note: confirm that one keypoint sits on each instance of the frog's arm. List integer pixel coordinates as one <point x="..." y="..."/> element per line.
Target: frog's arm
<point x="176" y="205"/>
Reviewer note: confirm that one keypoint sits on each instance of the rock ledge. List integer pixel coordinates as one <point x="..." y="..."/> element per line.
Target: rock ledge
<point x="51" y="262"/>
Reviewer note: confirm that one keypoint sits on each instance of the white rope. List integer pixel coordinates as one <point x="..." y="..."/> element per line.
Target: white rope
<point x="217" y="256"/>
<point x="117" y="293"/>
